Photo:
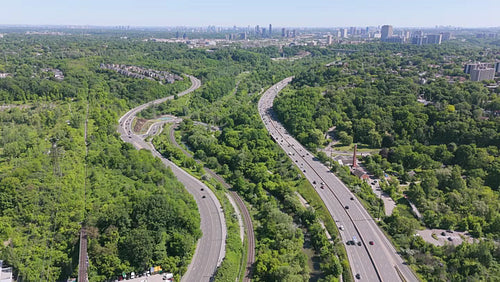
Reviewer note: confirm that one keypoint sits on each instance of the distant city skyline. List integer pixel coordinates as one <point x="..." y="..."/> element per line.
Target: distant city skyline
<point x="292" y="13"/>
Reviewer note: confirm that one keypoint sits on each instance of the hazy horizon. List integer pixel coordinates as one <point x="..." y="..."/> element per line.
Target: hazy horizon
<point x="225" y="13"/>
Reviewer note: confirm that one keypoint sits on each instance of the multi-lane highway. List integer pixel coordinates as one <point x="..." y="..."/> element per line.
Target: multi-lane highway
<point x="210" y="250"/>
<point x="375" y="259"/>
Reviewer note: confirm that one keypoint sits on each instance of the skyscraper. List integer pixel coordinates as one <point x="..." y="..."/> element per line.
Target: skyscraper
<point x="270" y="30"/>
<point x="386" y="31"/>
<point x="329" y="40"/>
<point x="283" y="32"/>
<point x="343" y="32"/>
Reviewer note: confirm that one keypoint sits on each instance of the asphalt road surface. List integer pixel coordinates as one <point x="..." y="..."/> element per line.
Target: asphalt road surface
<point x="210" y="250"/>
<point x="241" y="206"/>
<point x="377" y="262"/>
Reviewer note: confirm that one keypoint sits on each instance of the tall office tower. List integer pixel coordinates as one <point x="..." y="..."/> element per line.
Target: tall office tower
<point x="480" y="74"/>
<point x="343" y="32"/>
<point x="434" y="38"/>
<point x="386" y="31"/>
<point x="329" y="40"/>
<point x="283" y="32"/>
<point x="294" y="33"/>
<point x="352" y="30"/>
<point x="270" y="30"/>
<point x="257" y="29"/>
<point x="263" y="32"/>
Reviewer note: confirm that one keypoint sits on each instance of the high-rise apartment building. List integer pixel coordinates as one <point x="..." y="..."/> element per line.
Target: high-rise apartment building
<point x="480" y="74"/>
<point x="469" y="67"/>
<point x="386" y="31"/>
<point x="434" y="38"/>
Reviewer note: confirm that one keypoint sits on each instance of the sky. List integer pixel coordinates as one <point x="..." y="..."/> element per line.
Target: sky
<point x="280" y="13"/>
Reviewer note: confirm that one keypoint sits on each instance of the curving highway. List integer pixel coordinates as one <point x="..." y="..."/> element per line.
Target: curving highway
<point x="377" y="262"/>
<point x="247" y="219"/>
<point x="210" y="250"/>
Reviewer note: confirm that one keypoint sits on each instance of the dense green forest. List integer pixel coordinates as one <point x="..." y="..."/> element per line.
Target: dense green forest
<point x="136" y="213"/>
<point x="446" y="149"/>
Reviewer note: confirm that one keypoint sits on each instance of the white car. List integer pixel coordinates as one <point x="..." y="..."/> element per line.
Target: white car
<point x="341" y="227"/>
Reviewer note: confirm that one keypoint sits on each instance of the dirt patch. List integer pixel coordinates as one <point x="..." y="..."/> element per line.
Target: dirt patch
<point x="8" y="242"/>
<point x="7" y="107"/>
<point x="139" y="124"/>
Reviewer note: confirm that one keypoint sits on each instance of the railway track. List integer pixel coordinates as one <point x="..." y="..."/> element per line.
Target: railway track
<point x="247" y="219"/>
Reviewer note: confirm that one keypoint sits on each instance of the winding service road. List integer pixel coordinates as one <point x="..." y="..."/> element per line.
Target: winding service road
<point x="210" y="250"/>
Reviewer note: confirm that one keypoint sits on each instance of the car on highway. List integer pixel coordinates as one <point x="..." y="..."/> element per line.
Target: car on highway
<point x="322" y="187"/>
<point x="346" y="207"/>
<point x="371" y="243"/>
<point x="341" y="227"/>
<point x="358" y="276"/>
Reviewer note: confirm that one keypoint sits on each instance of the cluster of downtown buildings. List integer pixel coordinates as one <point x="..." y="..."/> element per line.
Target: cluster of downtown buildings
<point x="417" y="37"/>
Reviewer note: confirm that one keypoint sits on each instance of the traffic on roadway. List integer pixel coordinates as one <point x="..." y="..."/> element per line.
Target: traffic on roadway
<point x="371" y="255"/>
<point x="210" y="250"/>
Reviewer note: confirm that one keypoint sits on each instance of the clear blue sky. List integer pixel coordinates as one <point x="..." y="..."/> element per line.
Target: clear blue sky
<point x="313" y="13"/>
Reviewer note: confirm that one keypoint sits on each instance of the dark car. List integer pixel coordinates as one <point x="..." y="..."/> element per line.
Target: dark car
<point x="443" y="233"/>
<point x="371" y="243"/>
<point x="203" y="197"/>
<point x="314" y="182"/>
<point x="352" y="198"/>
<point x="322" y="187"/>
<point x="346" y="207"/>
<point x="359" y="243"/>
<point x="450" y="239"/>
<point x="358" y="276"/>
<point x="202" y="189"/>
